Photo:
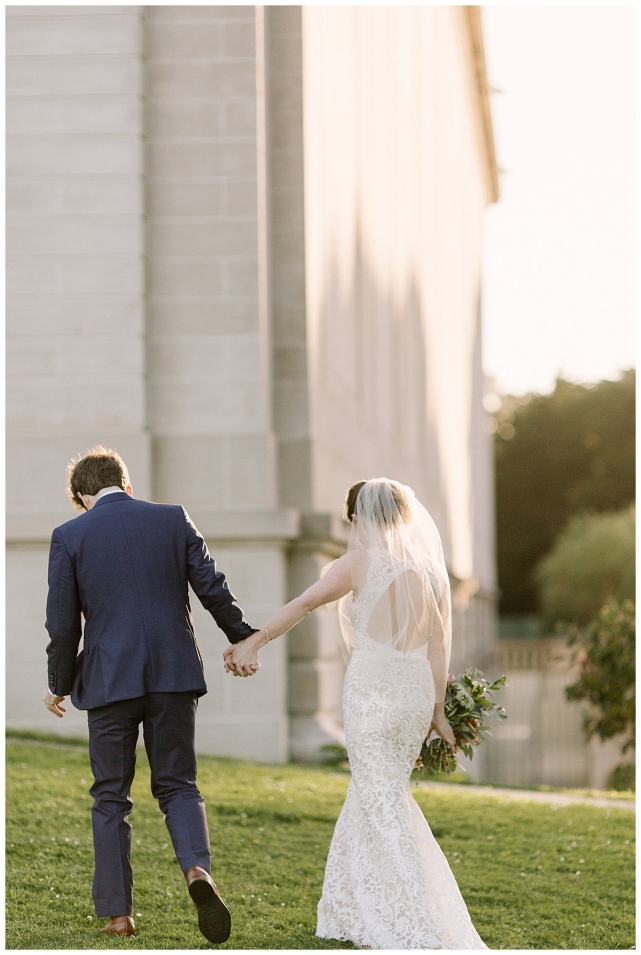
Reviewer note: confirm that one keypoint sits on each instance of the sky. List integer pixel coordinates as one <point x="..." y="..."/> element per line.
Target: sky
<point x="559" y="262"/>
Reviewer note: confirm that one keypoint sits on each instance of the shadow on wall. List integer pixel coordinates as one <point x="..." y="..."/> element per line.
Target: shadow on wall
<point x="371" y="375"/>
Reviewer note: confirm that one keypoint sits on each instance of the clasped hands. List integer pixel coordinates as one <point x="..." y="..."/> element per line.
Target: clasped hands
<point x="241" y="659"/>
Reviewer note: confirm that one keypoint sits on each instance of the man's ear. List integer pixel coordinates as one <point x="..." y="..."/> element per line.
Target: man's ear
<point x="129" y="490"/>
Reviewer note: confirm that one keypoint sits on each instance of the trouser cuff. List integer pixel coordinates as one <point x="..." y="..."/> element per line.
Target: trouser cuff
<point x="202" y="859"/>
<point x="114" y="905"/>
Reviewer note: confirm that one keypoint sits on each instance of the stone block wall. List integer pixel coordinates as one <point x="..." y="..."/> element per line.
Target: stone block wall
<point x="75" y="292"/>
<point x="75" y="248"/>
<point x="134" y="317"/>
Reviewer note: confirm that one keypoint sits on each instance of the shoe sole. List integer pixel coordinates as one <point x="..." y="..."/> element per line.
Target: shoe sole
<point x="119" y="934"/>
<point x="214" y="920"/>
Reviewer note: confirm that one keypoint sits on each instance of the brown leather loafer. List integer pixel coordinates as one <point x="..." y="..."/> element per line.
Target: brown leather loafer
<point x="214" y="920"/>
<point x="119" y="925"/>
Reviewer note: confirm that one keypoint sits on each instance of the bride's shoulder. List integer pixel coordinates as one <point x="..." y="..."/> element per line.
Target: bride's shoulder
<point x="359" y="559"/>
<point x="347" y="567"/>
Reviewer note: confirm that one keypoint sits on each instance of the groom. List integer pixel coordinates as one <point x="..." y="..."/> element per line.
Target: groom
<point x="125" y="566"/>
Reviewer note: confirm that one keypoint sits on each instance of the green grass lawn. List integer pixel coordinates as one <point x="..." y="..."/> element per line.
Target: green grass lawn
<point x="533" y="876"/>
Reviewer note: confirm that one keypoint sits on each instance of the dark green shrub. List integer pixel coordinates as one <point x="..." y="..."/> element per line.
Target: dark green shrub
<point x="623" y="778"/>
<point x="606" y="679"/>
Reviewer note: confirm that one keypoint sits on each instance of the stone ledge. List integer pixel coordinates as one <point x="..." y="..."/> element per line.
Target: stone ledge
<point x="280" y="525"/>
<point x="310" y="531"/>
<point x="35" y="525"/>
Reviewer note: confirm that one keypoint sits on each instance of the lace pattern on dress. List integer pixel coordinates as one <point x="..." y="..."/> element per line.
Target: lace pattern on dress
<point x="387" y="883"/>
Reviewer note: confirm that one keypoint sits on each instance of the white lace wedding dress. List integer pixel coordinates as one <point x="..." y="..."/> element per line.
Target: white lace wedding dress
<point x="387" y="883"/>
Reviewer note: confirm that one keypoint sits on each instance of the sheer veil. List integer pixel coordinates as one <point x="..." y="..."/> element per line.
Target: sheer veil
<point x="401" y="597"/>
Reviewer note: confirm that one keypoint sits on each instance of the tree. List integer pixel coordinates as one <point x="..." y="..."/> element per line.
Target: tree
<point x="606" y="678"/>
<point x="556" y="456"/>
<point x="591" y="562"/>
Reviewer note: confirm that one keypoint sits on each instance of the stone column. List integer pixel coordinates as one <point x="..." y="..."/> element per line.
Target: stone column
<point x="315" y="671"/>
<point x="316" y="665"/>
<point x="286" y="204"/>
<point x="209" y="390"/>
<point x="209" y="404"/>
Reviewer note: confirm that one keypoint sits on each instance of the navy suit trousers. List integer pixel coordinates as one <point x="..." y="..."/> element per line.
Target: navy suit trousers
<point x="168" y="721"/>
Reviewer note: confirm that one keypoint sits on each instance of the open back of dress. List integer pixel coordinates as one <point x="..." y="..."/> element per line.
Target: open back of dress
<point x="401" y="595"/>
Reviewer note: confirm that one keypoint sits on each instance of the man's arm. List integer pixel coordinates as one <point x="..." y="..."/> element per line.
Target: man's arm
<point x="211" y="588"/>
<point x="63" y="619"/>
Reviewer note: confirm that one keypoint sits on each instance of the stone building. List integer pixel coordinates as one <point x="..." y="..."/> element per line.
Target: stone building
<point x="244" y="249"/>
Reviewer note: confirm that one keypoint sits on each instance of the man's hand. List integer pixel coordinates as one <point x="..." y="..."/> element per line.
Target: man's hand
<point x="241" y="659"/>
<point x="53" y="703"/>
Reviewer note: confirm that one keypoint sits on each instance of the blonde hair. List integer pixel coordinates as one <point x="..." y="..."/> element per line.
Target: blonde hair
<point x="398" y="496"/>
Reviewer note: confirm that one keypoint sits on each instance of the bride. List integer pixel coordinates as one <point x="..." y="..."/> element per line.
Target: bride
<point x="387" y="884"/>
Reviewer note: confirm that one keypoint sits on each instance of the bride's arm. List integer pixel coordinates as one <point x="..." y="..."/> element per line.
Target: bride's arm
<point x="438" y="661"/>
<point x="242" y="658"/>
<point x="438" y="655"/>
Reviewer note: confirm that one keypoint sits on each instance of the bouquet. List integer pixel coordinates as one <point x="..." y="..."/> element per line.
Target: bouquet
<point x="468" y="703"/>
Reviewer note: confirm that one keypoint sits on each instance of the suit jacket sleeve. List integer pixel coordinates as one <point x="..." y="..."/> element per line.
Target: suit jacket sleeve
<point x="211" y="588"/>
<point x="63" y="618"/>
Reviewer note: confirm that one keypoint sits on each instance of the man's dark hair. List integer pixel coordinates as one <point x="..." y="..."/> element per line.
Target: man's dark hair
<point x="95" y="470"/>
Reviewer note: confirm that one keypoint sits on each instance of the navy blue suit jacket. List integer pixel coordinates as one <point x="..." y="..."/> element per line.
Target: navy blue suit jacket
<point x="125" y="566"/>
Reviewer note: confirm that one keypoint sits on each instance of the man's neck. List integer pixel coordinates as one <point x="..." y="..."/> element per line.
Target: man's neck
<point x="108" y="490"/>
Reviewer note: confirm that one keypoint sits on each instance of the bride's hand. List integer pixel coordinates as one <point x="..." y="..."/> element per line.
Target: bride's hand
<point x="241" y="659"/>
<point x="442" y="727"/>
